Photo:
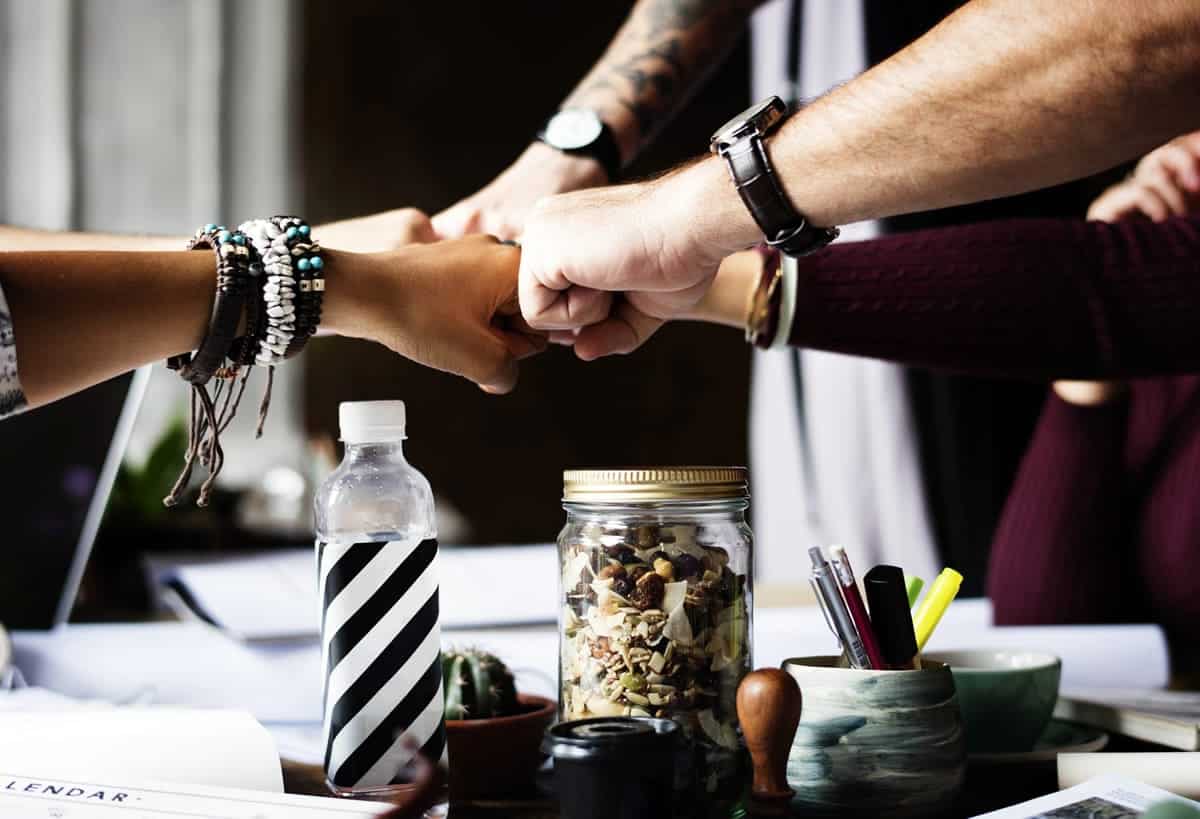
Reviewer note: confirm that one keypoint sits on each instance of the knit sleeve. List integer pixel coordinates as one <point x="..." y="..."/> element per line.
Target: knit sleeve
<point x="12" y="397"/>
<point x="1062" y="547"/>
<point x="1028" y="298"/>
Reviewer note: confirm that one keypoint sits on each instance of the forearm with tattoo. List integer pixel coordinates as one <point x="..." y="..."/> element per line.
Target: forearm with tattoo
<point x="658" y="58"/>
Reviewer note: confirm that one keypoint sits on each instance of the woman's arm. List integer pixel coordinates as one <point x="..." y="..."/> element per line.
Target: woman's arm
<point x="82" y="317"/>
<point x="1061" y="553"/>
<point x="1030" y="298"/>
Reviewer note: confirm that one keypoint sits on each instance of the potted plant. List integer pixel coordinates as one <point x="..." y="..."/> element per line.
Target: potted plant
<point x="493" y="733"/>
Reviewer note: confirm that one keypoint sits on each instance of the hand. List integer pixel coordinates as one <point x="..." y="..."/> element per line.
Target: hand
<point x="502" y="207"/>
<point x="377" y="233"/>
<point x="448" y="305"/>
<point x="658" y="242"/>
<point x="1165" y="183"/>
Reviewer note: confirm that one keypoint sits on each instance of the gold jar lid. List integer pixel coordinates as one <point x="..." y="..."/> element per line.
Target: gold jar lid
<point x="679" y="483"/>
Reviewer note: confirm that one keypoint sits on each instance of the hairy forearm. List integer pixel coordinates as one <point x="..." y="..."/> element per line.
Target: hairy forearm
<point x="661" y="54"/>
<point x="20" y="238"/>
<point x="1001" y="98"/>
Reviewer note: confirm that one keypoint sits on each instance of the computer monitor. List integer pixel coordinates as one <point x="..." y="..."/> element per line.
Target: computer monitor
<point x="60" y="462"/>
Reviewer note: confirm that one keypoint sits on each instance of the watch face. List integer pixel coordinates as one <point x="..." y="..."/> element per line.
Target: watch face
<point x="760" y="119"/>
<point x="572" y="129"/>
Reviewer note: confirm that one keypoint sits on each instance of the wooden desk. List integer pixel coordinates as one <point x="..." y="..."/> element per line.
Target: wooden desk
<point x="987" y="788"/>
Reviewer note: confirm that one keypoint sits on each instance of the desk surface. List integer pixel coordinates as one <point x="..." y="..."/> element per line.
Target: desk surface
<point x="987" y="788"/>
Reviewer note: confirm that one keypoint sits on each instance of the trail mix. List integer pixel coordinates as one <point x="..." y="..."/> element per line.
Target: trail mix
<point x="655" y="624"/>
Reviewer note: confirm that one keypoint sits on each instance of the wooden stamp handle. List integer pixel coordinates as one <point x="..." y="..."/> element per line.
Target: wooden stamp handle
<point x="768" y="707"/>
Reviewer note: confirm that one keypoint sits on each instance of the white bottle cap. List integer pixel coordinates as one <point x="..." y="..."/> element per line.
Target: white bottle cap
<point x="365" y="422"/>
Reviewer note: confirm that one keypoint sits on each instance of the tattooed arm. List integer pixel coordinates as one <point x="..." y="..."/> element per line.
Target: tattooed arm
<point x="658" y="58"/>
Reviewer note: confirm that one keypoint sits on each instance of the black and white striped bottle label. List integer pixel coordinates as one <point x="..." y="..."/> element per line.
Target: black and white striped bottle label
<point x="381" y="656"/>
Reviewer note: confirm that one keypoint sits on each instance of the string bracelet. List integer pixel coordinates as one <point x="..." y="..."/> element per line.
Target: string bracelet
<point x="235" y="288"/>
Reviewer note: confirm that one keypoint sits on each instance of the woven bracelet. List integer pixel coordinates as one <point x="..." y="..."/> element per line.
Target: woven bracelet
<point x="209" y="416"/>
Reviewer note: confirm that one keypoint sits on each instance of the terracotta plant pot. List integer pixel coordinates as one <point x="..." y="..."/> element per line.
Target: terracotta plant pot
<point x="498" y="756"/>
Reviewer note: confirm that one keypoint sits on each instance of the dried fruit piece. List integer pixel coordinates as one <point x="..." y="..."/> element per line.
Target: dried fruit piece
<point x="686" y="565"/>
<point x="612" y="570"/>
<point x="649" y="591"/>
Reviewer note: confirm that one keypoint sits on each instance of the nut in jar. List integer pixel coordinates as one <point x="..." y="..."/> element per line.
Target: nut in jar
<point x="656" y="603"/>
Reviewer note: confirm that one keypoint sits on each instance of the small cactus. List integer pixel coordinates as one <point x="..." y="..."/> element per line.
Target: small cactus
<point x="477" y="685"/>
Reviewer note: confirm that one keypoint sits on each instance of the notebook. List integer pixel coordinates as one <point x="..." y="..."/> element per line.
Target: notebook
<point x="1170" y="718"/>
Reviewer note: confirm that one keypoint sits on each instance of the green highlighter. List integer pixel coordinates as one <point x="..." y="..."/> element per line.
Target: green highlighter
<point x="914" y="584"/>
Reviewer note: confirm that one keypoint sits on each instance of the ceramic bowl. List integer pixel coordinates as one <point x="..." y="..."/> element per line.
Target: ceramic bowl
<point x="1006" y="697"/>
<point x="875" y="743"/>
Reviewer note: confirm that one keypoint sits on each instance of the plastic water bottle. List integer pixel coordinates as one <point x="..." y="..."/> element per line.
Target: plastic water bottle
<point x="378" y="591"/>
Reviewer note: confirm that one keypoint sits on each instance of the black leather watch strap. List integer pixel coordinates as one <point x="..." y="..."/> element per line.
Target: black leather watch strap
<point x="603" y="149"/>
<point x="754" y="178"/>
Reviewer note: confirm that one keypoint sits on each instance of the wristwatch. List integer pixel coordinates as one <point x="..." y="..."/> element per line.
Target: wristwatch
<point x="581" y="132"/>
<point x="741" y="141"/>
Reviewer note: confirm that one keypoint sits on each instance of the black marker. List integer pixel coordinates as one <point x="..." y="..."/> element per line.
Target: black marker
<point x="890" y="615"/>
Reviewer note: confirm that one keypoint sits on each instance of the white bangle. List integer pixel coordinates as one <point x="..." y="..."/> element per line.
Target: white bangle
<point x="789" y="274"/>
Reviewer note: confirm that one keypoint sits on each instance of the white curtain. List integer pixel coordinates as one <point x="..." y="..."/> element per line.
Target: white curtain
<point x="155" y="116"/>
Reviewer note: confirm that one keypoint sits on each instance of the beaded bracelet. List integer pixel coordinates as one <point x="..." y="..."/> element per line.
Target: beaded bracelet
<point x="293" y="288"/>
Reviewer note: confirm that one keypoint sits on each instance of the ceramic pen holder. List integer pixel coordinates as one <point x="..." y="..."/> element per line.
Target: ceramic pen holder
<point x="875" y="743"/>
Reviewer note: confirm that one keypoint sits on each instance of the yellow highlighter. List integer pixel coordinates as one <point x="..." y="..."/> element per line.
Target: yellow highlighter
<point x="936" y="601"/>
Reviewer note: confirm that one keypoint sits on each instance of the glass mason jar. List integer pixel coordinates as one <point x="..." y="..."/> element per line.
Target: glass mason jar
<point x="656" y="605"/>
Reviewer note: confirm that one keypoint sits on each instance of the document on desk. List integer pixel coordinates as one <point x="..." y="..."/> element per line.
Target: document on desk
<point x="274" y="595"/>
<point x="1104" y="796"/>
<point x="26" y="796"/>
<point x="160" y="744"/>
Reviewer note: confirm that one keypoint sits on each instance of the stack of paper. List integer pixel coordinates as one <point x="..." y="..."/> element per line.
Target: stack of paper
<point x="273" y="596"/>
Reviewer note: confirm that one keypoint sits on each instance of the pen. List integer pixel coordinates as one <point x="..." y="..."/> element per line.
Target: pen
<point x="891" y="616"/>
<point x="915" y="584"/>
<point x="854" y="603"/>
<point x="930" y="612"/>
<point x="835" y="608"/>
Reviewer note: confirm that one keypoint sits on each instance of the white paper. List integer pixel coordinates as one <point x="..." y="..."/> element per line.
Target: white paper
<point x="1088" y="799"/>
<point x="270" y="596"/>
<point x="1173" y="771"/>
<point x="226" y="748"/>
<point x="26" y="796"/>
<point x="274" y="595"/>
<point x="188" y="664"/>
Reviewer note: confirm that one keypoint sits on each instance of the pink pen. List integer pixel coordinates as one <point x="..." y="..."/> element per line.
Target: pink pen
<point x="854" y="603"/>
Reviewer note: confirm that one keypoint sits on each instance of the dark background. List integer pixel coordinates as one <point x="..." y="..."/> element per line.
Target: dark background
<point x="423" y="103"/>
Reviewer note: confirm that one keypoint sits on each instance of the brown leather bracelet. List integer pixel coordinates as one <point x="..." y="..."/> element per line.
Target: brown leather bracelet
<point x="233" y="287"/>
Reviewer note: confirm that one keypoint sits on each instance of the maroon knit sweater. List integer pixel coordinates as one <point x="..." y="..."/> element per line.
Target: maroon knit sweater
<point x="1103" y="523"/>
<point x="1029" y="298"/>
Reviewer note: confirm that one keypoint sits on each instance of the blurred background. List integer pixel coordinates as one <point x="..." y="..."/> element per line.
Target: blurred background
<point x="113" y="118"/>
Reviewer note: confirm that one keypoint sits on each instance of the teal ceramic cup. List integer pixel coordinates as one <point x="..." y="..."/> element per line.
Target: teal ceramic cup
<point x="875" y="743"/>
<point x="1006" y="697"/>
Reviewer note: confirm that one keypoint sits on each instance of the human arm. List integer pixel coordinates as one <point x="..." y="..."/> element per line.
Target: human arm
<point x="374" y="233"/>
<point x="81" y="317"/>
<point x="1061" y="551"/>
<point x="996" y="100"/>
<point x="1039" y="299"/>
<point x="660" y="56"/>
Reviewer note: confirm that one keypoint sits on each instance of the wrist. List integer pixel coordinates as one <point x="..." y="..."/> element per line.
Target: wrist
<point x="728" y="301"/>
<point x="572" y="171"/>
<point x="712" y="215"/>
<point x="350" y="281"/>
